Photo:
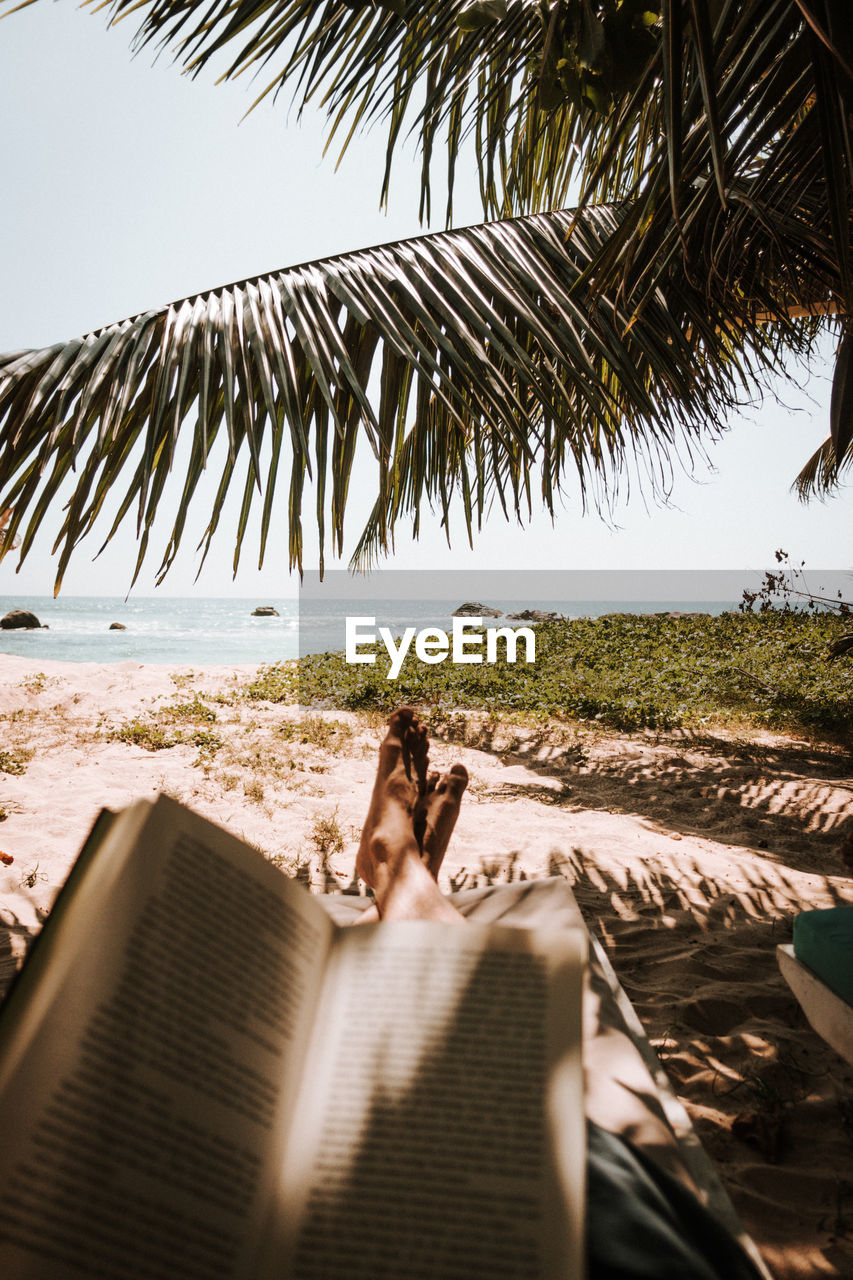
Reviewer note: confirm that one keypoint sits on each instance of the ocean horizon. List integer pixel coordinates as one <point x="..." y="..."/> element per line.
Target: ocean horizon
<point x="207" y="631"/>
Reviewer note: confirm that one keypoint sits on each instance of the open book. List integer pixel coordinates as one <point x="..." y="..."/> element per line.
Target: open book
<point x="202" y="1077"/>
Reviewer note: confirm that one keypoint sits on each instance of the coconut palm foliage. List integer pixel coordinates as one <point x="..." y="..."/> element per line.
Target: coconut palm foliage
<point x="715" y="133"/>
<point x="462" y="357"/>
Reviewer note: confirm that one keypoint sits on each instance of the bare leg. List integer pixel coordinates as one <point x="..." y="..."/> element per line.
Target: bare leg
<point x="389" y="856"/>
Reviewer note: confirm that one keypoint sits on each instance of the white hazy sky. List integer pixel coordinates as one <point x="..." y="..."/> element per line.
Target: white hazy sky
<point x="128" y="185"/>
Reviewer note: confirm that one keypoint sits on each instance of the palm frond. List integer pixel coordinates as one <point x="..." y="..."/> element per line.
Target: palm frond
<point x="506" y="354"/>
<point x="422" y="70"/>
<point x="413" y="64"/>
<point x="724" y="124"/>
<point x="823" y="472"/>
<point x="495" y="378"/>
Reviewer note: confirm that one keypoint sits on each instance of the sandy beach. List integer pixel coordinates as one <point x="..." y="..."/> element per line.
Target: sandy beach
<point x="689" y="856"/>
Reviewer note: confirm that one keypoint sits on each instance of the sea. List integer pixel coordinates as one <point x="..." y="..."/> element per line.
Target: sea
<point x="209" y="631"/>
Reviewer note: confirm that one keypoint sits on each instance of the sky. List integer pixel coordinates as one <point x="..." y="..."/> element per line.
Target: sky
<point x="129" y="185"/>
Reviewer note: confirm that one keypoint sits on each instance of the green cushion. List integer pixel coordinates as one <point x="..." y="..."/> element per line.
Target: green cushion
<point x="823" y="940"/>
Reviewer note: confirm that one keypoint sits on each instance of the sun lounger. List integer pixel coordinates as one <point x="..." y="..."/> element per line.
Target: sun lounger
<point x="628" y="1094"/>
<point x="818" y="967"/>
<point x="643" y="1152"/>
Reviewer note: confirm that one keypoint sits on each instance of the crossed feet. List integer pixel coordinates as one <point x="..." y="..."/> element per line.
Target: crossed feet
<point x="409" y="824"/>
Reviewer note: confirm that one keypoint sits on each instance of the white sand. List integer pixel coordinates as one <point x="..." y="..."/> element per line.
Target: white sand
<point x="688" y="858"/>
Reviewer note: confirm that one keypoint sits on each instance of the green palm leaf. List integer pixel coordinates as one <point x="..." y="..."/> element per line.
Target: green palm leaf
<point x="495" y="378"/>
<point x="506" y="355"/>
<point x="823" y="471"/>
<point x="723" y="123"/>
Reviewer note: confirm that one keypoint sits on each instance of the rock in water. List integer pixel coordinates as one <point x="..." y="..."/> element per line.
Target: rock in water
<point x="19" y="620"/>
<point x="117" y="626"/>
<point x="533" y="615"/>
<point x="265" y="611"/>
<point x="476" y="611"/>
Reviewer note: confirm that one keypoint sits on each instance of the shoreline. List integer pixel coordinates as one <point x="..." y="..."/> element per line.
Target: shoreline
<point x="165" y="630"/>
<point x="688" y="856"/>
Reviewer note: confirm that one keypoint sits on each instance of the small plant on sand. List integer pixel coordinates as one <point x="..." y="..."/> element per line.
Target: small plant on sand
<point x="182" y="679"/>
<point x="292" y="864"/>
<point x="327" y="836"/>
<point x="208" y="744"/>
<point x="36" y="683"/>
<point x="12" y="761"/>
<point x="254" y="790"/>
<point x="315" y="731"/>
<point x="193" y="710"/>
<point x="146" y="734"/>
<point x="152" y="736"/>
<point x="275" y="683"/>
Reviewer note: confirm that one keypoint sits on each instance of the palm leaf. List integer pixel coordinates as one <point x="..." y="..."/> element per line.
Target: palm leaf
<point x="499" y="378"/>
<point x="726" y="131"/>
<point x="823" y="471"/>
<point x="512" y="353"/>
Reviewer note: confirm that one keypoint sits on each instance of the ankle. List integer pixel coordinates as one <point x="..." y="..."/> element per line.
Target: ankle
<point x="412" y="894"/>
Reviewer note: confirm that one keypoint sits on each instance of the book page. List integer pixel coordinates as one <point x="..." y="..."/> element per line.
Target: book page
<point x="439" y="1134"/>
<point x="147" y="1070"/>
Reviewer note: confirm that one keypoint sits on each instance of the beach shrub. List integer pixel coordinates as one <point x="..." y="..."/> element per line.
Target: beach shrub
<point x="145" y="733"/>
<point x="194" y="710"/>
<point x="253" y="789"/>
<point x="275" y="683"/>
<point x="623" y="671"/>
<point x="314" y="730"/>
<point x="207" y="741"/>
<point x="153" y="736"/>
<point x="327" y="836"/>
<point x="36" y="683"/>
<point x="12" y="762"/>
<point x="787" y="590"/>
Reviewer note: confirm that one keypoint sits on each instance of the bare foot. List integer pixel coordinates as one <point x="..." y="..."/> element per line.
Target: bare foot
<point x="388" y="834"/>
<point x="436" y="813"/>
<point x="433" y="821"/>
<point x="389" y="855"/>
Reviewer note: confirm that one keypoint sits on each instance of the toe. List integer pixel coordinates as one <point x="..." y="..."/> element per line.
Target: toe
<point x="400" y="720"/>
<point x="457" y="780"/>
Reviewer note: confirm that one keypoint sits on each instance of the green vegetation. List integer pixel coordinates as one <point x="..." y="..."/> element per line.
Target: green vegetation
<point x="327" y="837"/>
<point x="36" y="683"/>
<point x="208" y="743"/>
<point x="176" y="724"/>
<point x="144" y="733"/>
<point x="276" y="683"/>
<point x="313" y="730"/>
<point x="623" y="671"/>
<point x="710" y="148"/>
<point x="153" y="737"/>
<point x="193" y="710"/>
<point x="13" y="761"/>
